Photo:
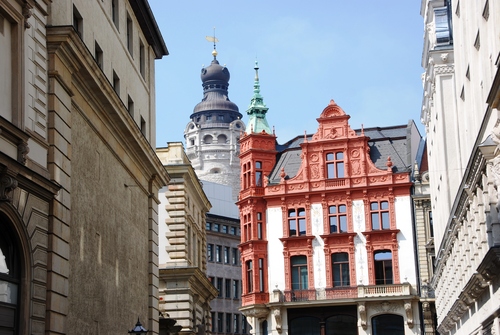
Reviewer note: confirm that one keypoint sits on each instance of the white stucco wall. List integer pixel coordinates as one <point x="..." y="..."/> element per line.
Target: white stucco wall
<point x="407" y="271"/>
<point x="276" y="263"/>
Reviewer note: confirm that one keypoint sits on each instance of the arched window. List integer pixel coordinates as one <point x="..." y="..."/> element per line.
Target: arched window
<point x="388" y="324"/>
<point x="264" y="328"/>
<point x="10" y="276"/>
<point x="207" y="139"/>
<point x="221" y="139"/>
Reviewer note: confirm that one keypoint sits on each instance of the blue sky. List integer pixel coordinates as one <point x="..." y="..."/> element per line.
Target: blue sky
<point x="366" y="55"/>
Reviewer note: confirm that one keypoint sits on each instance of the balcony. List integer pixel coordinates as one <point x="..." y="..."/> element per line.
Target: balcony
<point x="374" y="291"/>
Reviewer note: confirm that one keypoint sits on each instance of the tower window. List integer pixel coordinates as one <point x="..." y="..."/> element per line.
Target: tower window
<point x="258" y="174"/>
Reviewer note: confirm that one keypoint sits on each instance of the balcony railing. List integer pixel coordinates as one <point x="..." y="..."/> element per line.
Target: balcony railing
<point x="393" y="290"/>
<point x="351" y="292"/>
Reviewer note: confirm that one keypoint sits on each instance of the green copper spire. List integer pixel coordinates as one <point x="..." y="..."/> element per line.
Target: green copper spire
<point x="257" y="110"/>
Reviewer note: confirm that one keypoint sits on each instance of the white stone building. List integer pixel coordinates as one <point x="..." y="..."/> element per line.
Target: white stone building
<point x="460" y="112"/>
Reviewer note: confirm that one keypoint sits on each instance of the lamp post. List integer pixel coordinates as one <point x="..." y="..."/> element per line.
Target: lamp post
<point x="138" y="329"/>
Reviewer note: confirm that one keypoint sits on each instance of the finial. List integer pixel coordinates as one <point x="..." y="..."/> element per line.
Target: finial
<point x="256" y="68"/>
<point x="215" y="40"/>
<point x="362" y="129"/>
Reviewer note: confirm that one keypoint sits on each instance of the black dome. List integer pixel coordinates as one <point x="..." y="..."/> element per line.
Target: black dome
<point x="215" y="72"/>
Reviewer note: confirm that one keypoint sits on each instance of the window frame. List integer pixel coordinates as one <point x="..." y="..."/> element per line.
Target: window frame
<point x="341" y="264"/>
<point x="297" y="271"/>
<point x="383" y="215"/>
<point x="340" y="217"/>
<point x="298" y="221"/>
<point x="335" y="165"/>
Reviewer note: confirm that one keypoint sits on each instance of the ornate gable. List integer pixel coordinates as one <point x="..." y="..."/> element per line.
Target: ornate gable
<point x="336" y="158"/>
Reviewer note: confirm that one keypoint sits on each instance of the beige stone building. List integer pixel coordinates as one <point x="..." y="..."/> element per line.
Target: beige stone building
<point x="424" y="234"/>
<point x="78" y="175"/>
<point x="460" y="111"/>
<point x="185" y="291"/>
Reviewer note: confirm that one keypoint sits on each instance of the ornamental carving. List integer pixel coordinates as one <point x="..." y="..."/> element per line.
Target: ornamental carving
<point x="314" y="171"/>
<point x="314" y="158"/>
<point x="7" y="185"/>
<point x="277" y="318"/>
<point x="362" y="314"/>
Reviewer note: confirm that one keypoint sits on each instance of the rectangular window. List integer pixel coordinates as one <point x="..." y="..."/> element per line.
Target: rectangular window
<point x="208" y="226"/>
<point x="114" y="13"/>
<point x="340" y="266"/>
<point x="218" y="253"/>
<point x="220" y="117"/>
<point x="142" y="60"/>
<point x="98" y="55"/>
<point x="379" y="211"/>
<point x="297" y="222"/>
<point x="116" y="83"/>
<point x="130" y="35"/>
<point x="130" y="106"/>
<point x="236" y="323"/>
<point x="258" y="174"/>
<point x="431" y="225"/>
<point x="337" y="216"/>
<point x="143" y="126"/>
<point x="383" y="267"/>
<point x="247" y="227"/>
<point x="210" y="252"/>
<point x="243" y="325"/>
<point x="219" y="287"/>
<point x="233" y="231"/>
<point x="236" y="291"/>
<point x="335" y="165"/>
<point x="216" y="227"/>
<point x="224" y="229"/>
<point x="212" y="314"/>
<point x="228" y="322"/>
<point x="259" y="226"/>
<point x="219" y="322"/>
<point x="261" y="274"/>
<point x="227" y="292"/>
<point x="249" y="276"/>
<point x="234" y="256"/>
<point x="77" y="22"/>
<point x="299" y="273"/>
<point x="226" y="255"/>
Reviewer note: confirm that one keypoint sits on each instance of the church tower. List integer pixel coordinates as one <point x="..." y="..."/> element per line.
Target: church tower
<point x="213" y="133"/>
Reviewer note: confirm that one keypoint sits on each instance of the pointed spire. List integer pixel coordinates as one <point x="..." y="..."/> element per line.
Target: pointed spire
<point x="257" y="110"/>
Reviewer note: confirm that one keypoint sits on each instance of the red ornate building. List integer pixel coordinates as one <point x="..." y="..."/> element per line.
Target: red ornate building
<point x="327" y="244"/>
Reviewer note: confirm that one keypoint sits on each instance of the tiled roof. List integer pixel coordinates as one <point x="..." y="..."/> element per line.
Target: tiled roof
<point x="384" y="142"/>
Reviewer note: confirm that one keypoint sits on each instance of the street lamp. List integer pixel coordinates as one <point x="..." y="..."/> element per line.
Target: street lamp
<point x="138" y="329"/>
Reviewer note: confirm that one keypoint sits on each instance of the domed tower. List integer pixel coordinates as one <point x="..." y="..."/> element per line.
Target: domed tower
<point x="213" y="133"/>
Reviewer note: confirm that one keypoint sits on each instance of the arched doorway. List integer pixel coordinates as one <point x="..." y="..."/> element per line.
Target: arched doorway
<point x="388" y="324"/>
<point x="10" y="278"/>
<point x="341" y="325"/>
<point x="305" y="325"/>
